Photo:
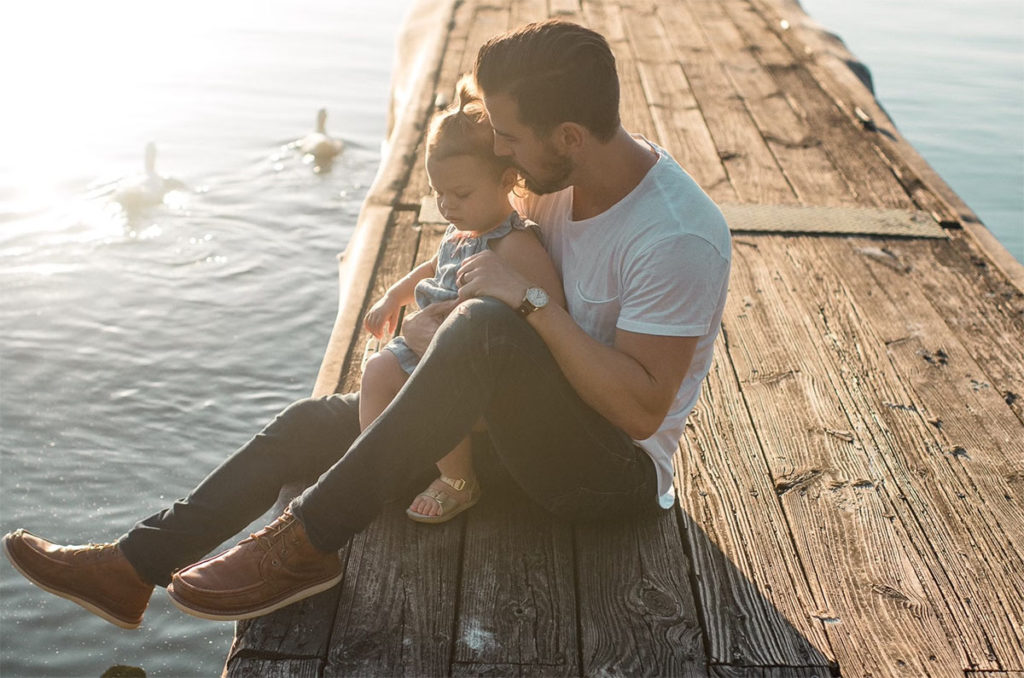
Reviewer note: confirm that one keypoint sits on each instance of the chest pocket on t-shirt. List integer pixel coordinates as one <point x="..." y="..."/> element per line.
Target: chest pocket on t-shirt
<point x="596" y="311"/>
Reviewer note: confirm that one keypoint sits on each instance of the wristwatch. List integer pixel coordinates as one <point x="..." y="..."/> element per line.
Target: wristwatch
<point x="534" y="299"/>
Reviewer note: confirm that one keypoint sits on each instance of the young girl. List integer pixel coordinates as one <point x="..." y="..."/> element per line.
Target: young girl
<point x="471" y="185"/>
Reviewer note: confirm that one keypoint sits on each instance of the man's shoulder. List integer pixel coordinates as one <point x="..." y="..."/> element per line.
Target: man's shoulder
<point x="674" y="206"/>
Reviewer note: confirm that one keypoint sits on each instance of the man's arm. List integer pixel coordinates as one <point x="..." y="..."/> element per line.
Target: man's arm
<point x="631" y="383"/>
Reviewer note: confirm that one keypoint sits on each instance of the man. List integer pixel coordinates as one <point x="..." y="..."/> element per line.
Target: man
<point x="584" y="406"/>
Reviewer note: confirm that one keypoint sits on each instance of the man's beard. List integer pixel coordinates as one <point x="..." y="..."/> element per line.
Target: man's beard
<point x="557" y="169"/>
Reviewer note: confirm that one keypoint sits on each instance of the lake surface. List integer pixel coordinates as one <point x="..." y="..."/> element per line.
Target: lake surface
<point x="138" y="351"/>
<point x="951" y="75"/>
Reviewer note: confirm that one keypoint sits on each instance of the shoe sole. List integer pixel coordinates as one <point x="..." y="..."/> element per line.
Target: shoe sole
<point x="98" y="611"/>
<point x="250" y="614"/>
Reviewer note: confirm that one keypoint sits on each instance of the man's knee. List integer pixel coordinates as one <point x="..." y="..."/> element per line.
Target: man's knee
<point x="324" y="416"/>
<point x="484" y="315"/>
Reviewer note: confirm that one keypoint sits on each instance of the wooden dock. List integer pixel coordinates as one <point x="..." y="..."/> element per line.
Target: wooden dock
<point x="850" y="483"/>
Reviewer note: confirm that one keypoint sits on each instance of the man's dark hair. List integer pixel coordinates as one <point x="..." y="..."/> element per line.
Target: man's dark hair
<point x="556" y="72"/>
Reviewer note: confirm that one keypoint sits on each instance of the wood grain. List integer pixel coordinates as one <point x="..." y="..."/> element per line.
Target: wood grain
<point x="753" y="169"/>
<point x="880" y="613"/>
<point x="809" y="170"/>
<point x="395" y="616"/>
<point x="677" y="116"/>
<point x="257" y="667"/>
<point x="757" y="604"/>
<point x="869" y="176"/>
<point x="517" y="601"/>
<point x="636" y="609"/>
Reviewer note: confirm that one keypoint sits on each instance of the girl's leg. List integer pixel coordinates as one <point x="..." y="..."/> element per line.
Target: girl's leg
<point x="383" y="377"/>
<point x="458" y="466"/>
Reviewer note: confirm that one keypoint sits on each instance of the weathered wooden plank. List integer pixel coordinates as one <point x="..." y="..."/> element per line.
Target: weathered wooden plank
<point x="752" y="168"/>
<point x="727" y="671"/>
<point x="951" y="473"/>
<point x="395" y="616"/>
<point x="565" y="9"/>
<point x="508" y="670"/>
<point x="636" y="609"/>
<point x="299" y="630"/>
<point x="978" y="412"/>
<point x="448" y="74"/>
<point x="994" y="674"/>
<point x="807" y="167"/>
<point x="257" y="667"/>
<point x="756" y="602"/>
<point x="879" y="614"/>
<point x="868" y="174"/>
<point x="528" y="11"/>
<point x="983" y="309"/>
<point x="945" y="500"/>
<point x="418" y="184"/>
<point x="606" y="19"/>
<point x="489" y="19"/>
<point x="516" y="612"/>
<point x="677" y="116"/>
<point x="964" y="260"/>
<point x="850" y="94"/>
<point x="395" y="260"/>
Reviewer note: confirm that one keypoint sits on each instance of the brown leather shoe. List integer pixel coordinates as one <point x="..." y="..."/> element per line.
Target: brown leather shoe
<point x="273" y="568"/>
<point x="97" y="576"/>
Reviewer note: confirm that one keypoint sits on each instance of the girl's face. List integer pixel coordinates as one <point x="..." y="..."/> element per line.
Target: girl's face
<point x="468" y="194"/>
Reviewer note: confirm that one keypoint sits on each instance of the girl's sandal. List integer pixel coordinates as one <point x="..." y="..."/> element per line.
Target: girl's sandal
<point x="446" y="500"/>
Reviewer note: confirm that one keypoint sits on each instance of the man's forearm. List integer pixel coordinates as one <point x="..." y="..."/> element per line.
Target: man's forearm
<point x="612" y="382"/>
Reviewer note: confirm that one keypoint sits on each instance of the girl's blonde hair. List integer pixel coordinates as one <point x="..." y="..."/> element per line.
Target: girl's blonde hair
<point x="464" y="129"/>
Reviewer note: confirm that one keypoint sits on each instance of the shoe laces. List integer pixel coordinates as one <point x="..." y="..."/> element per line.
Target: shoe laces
<point x="91" y="551"/>
<point x="269" y="535"/>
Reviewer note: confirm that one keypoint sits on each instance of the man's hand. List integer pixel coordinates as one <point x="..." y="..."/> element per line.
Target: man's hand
<point x="485" y="274"/>
<point x="419" y="328"/>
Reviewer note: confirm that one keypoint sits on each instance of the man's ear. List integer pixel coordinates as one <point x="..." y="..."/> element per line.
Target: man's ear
<point x="570" y="136"/>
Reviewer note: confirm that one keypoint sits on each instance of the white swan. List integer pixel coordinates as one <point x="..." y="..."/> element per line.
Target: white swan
<point x="319" y="144"/>
<point x="148" y="189"/>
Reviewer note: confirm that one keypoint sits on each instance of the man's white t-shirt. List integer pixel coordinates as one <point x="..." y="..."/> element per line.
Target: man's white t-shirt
<point x="657" y="262"/>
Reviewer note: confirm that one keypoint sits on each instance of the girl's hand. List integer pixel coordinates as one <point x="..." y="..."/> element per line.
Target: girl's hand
<point x="382" y="317"/>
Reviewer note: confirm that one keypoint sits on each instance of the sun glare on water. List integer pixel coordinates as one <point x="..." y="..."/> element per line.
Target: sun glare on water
<point x="87" y="85"/>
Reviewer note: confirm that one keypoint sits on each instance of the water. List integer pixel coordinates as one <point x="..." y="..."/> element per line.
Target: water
<point x="951" y="75"/>
<point x="137" y="352"/>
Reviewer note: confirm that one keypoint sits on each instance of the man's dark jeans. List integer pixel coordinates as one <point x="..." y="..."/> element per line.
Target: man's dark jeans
<point x="485" y="361"/>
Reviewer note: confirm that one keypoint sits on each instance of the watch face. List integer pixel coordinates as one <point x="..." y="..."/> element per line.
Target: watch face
<point x="537" y="296"/>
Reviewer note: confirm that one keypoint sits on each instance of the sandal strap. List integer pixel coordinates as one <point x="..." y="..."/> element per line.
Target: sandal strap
<point x="456" y="483"/>
<point x="443" y="500"/>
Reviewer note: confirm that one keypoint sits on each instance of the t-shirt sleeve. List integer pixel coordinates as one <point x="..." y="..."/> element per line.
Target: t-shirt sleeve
<point x="673" y="288"/>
